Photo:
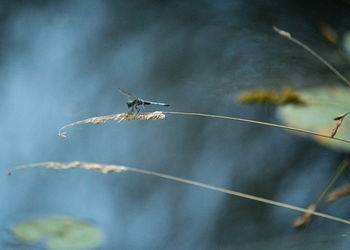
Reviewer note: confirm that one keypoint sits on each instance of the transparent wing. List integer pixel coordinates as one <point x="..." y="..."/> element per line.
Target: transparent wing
<point x="128" y="95"/>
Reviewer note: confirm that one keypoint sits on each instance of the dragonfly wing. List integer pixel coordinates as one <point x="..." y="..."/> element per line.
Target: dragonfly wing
<point x="130" y="97"/>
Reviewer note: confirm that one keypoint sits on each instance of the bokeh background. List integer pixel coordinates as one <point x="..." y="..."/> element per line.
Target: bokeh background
<point x="62" y="61"/>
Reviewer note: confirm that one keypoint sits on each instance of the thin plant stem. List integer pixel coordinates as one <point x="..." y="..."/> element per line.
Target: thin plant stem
<point x="106" y="169"/>
<point x="239" y="194"/>
<point x="312" y="52"/>
<point x="340" y="170"/>
<point x="260" y="123"/>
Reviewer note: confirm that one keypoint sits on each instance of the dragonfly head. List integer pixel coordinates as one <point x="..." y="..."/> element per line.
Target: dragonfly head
<point x="129" y="104"/>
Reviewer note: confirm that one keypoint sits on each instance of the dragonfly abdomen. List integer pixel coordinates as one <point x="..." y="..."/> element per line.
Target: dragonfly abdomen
<point x="158" y="103"/>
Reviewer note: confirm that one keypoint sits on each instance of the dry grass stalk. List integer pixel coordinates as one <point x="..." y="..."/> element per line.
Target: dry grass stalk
<point x="289" y="36"/>
<point x="161" y="115"/>
<point x="116" y="168"/>
<point x="342" y="191"/>
<point x="116" y="117"/>
<point x="339" y="119"/>
<point x="305" y="219"/>
<point x="260" y="123"/>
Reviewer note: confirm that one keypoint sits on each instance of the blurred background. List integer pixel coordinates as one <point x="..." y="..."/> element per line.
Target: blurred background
<point x="63" y="61"/>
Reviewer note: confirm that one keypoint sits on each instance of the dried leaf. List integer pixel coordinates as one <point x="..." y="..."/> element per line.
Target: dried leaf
<point x="305" y="219"/>
<point x="340" y="119"/>
<point x="335" y="129"/>
<point x="342" y="191"/>
<point x="341" y="116"/>
<point x="329" y="33"/>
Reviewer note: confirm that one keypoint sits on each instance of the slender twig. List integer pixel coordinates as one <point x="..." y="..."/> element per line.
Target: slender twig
<point x="261" y="123"/>
<point x="305" y="219"/>
<point x="312" y="52"/>
<point x="239" y="194"/>
<point x="117" y="168"/>
<point x="161" y="115"/>
<point x="345" y="163"/>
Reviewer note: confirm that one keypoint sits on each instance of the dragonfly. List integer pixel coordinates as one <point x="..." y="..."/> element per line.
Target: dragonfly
<point x="133" y="101"/>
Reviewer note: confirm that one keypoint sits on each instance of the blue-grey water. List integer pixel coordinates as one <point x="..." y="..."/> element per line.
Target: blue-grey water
<point x="63" y="61"/>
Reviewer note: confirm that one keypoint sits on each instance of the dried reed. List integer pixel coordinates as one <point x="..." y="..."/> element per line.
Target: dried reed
<point x="116" y="117"/>
<point x="161" y="115"/>
<point x="116" y="168"/>
<point x="312" y="52"/>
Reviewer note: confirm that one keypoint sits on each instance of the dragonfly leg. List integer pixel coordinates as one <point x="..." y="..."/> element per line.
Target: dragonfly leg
<point x="132" y="109"/>
<point x="142" y="107"/>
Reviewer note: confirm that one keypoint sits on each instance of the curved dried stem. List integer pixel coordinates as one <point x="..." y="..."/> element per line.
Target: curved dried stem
<point x="117" y="168"/>
<point x="261" y="123"/>
<point x="161" y="115"/>
<point x="312" y="52"/>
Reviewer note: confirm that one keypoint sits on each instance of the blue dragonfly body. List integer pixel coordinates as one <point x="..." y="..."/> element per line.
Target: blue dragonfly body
<point x="133" y="101"/>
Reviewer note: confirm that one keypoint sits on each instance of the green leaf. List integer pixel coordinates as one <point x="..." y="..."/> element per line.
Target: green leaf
<point x="58" y="232"/>
<point x="323" y="104"/>
<point x="346" y="42"/>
